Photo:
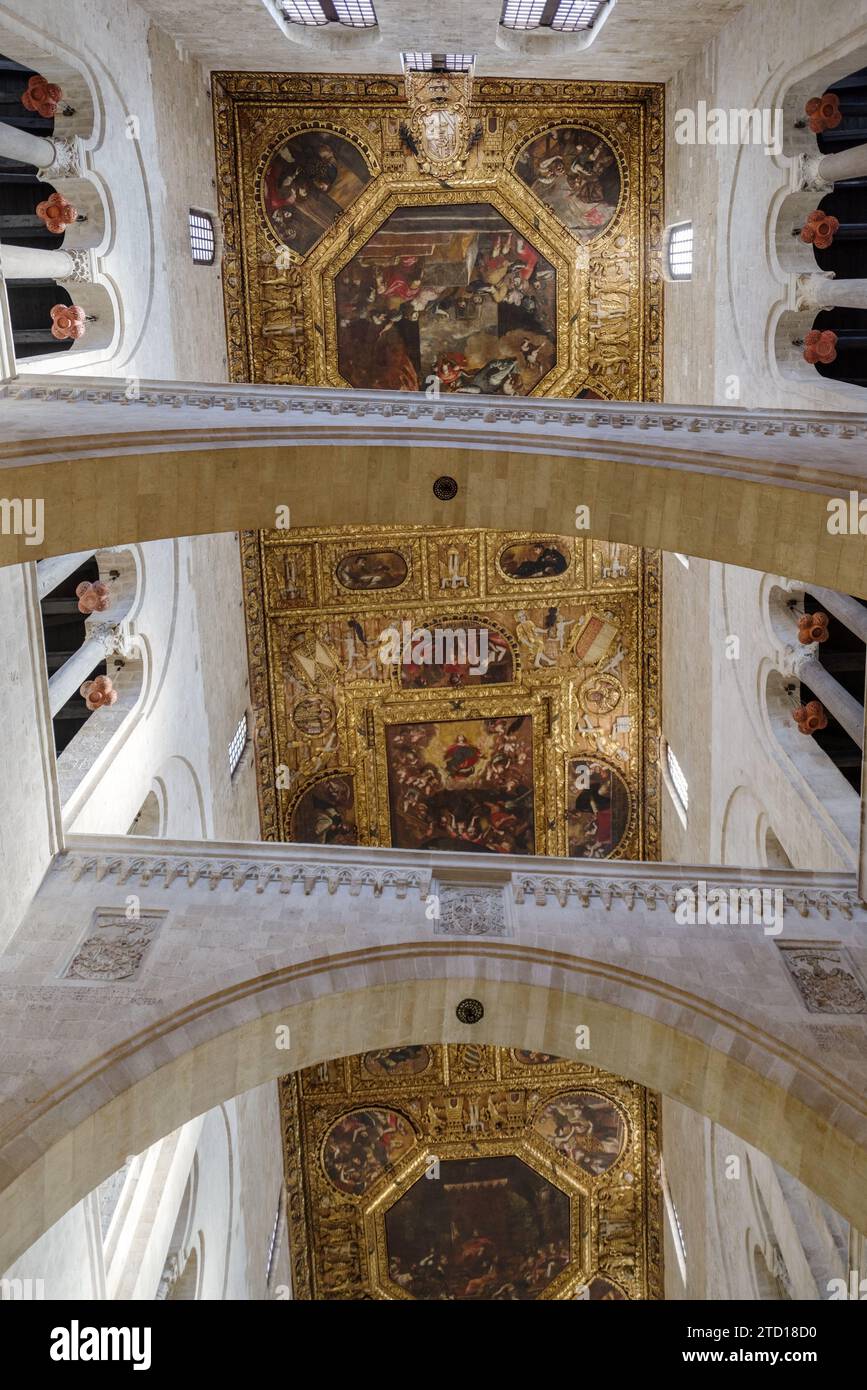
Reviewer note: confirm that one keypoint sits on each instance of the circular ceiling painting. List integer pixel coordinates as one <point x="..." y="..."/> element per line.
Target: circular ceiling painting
<point x="308" y="183"/>
<point x="452" y="298"/>
<point x="575" y="173"/>
<point x="364" y="1144"/>
<point x="585" y="1127"/>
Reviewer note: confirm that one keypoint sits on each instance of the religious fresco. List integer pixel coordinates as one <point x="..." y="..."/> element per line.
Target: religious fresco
<point x="598" y="807"/>
<point x="576" y="174"/>
<point x="361" y="1146"/>
<point x="462" y="235"/>
<point x="397" y="1061"/>
<point x="308" y="183"/>
<point x="450" y="295"/>
<point x="586" y="1127"/>
<point x="480" y="705"/>
<point x="463" y="785"/>
<point x="534" y="560"/>
<point x="371" y="569"/>
<point x="324" y="813"/>
<point x="470" y="1172"/>
<point x="489" y="1228"/>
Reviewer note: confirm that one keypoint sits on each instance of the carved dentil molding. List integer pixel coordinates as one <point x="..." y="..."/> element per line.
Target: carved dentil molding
<point x="401" y="406"/>
<point x="611" y="887"/>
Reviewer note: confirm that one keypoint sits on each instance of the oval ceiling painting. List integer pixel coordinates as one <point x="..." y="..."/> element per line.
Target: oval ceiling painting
<point x="575" y="173"/>
<point x="397" y="1061"/>
<point x="308" y="183"/>
<point x="585" y="1127"/>
<point x="371" y="569"/>
<point x="534" y="559"/>
<point x="364" y="1144"/>
<point x="597" y="814"/>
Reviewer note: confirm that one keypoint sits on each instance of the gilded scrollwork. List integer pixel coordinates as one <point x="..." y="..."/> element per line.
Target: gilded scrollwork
<point x="608" y="290"/>
<point x="469" y="1171"/>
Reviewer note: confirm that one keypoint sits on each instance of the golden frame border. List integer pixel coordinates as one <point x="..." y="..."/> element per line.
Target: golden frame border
<point x="371" y="106"/>
<point x="644" y="1119"/>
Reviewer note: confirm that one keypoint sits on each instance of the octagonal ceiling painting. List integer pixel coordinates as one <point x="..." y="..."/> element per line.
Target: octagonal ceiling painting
<point x="470" y="1173"/>
<point x="486" y="1228"/>
<point x="450" y="296"/>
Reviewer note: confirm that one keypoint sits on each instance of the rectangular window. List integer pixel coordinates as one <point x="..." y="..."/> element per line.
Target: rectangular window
<point x="202" y="239"/>
<point x="355" y="14"/>
<point x="566" y="16"/>
<point x="238" y="744"/>
<point x="675" y="771"/>
<point x="680" y="251"/>
<point x="438" y="62"/>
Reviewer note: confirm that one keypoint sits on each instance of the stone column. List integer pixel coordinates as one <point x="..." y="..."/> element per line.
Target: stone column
<point x="51" y="572"/>
<point x="35" y="263"/>
<point x="850" y="612"/>
<point x="25" y="147"/>
<point x="805" y="666"/>
<point x="66" y="680"/>
<point x="823" y="291"/>
<point x="822" y="171"/>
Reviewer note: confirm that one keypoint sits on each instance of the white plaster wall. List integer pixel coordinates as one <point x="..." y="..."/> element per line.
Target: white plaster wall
<point x="720" y="324"/>
<point x="27" y="805"/>
<point x="638" y="41"/>
<point x="741" y="775"/>
<point x="67" y="1260"/>
<point x="176" y="740"/>
<point x="171" y="319"/>
<point x="731" y="1200"/>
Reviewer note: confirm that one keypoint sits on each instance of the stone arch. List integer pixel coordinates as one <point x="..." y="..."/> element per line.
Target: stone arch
<point x="221" y="1044"/>
<point x="834" y="804"/>
<point x="749" y="488"/>
<point x="741" y="829"/>
<point x="128" y="664"/>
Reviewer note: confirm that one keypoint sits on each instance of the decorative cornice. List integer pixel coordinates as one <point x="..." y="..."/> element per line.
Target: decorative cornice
<point x="567" y="882"/>
<point x="400" y="406"/>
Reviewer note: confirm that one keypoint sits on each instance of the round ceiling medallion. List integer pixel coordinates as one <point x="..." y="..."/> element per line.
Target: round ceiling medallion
<point x="470" y="1011"/>
<point x="445" y="489"/>
<point x="600" y="694"/>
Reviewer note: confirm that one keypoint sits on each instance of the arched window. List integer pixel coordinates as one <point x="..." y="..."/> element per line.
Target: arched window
<point x="203" y="241"/>
<point x="678" y="251"/>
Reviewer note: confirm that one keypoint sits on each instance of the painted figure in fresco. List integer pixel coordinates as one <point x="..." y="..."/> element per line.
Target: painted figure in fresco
<point x="459" y="299"/>
<point x="574" y="173"/>
<point x="308" y="183"/>
<point x="360" y="1146"/>
<point x="471" y="791"/>
<point x="543" y="561"/>
<point x="586" y="1128"/>
<point x="490" y="1229"/>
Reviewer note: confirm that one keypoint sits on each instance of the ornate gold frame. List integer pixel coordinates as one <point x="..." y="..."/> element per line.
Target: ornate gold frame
<point x="618" y="355"/>
<point x="366" y="706"/>
<point x="613" y="1216"/>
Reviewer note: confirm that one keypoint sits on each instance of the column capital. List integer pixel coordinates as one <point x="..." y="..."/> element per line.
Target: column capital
<point x="68" y="161"/>
<point x="812" y="291"/>
<point x="808" y="176"/>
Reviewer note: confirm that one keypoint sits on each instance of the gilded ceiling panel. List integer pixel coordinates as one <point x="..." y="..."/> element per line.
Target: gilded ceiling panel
<point x="470" y="1172"/>
<point x="495" y="237"/>
<point x="489" y="692"/>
